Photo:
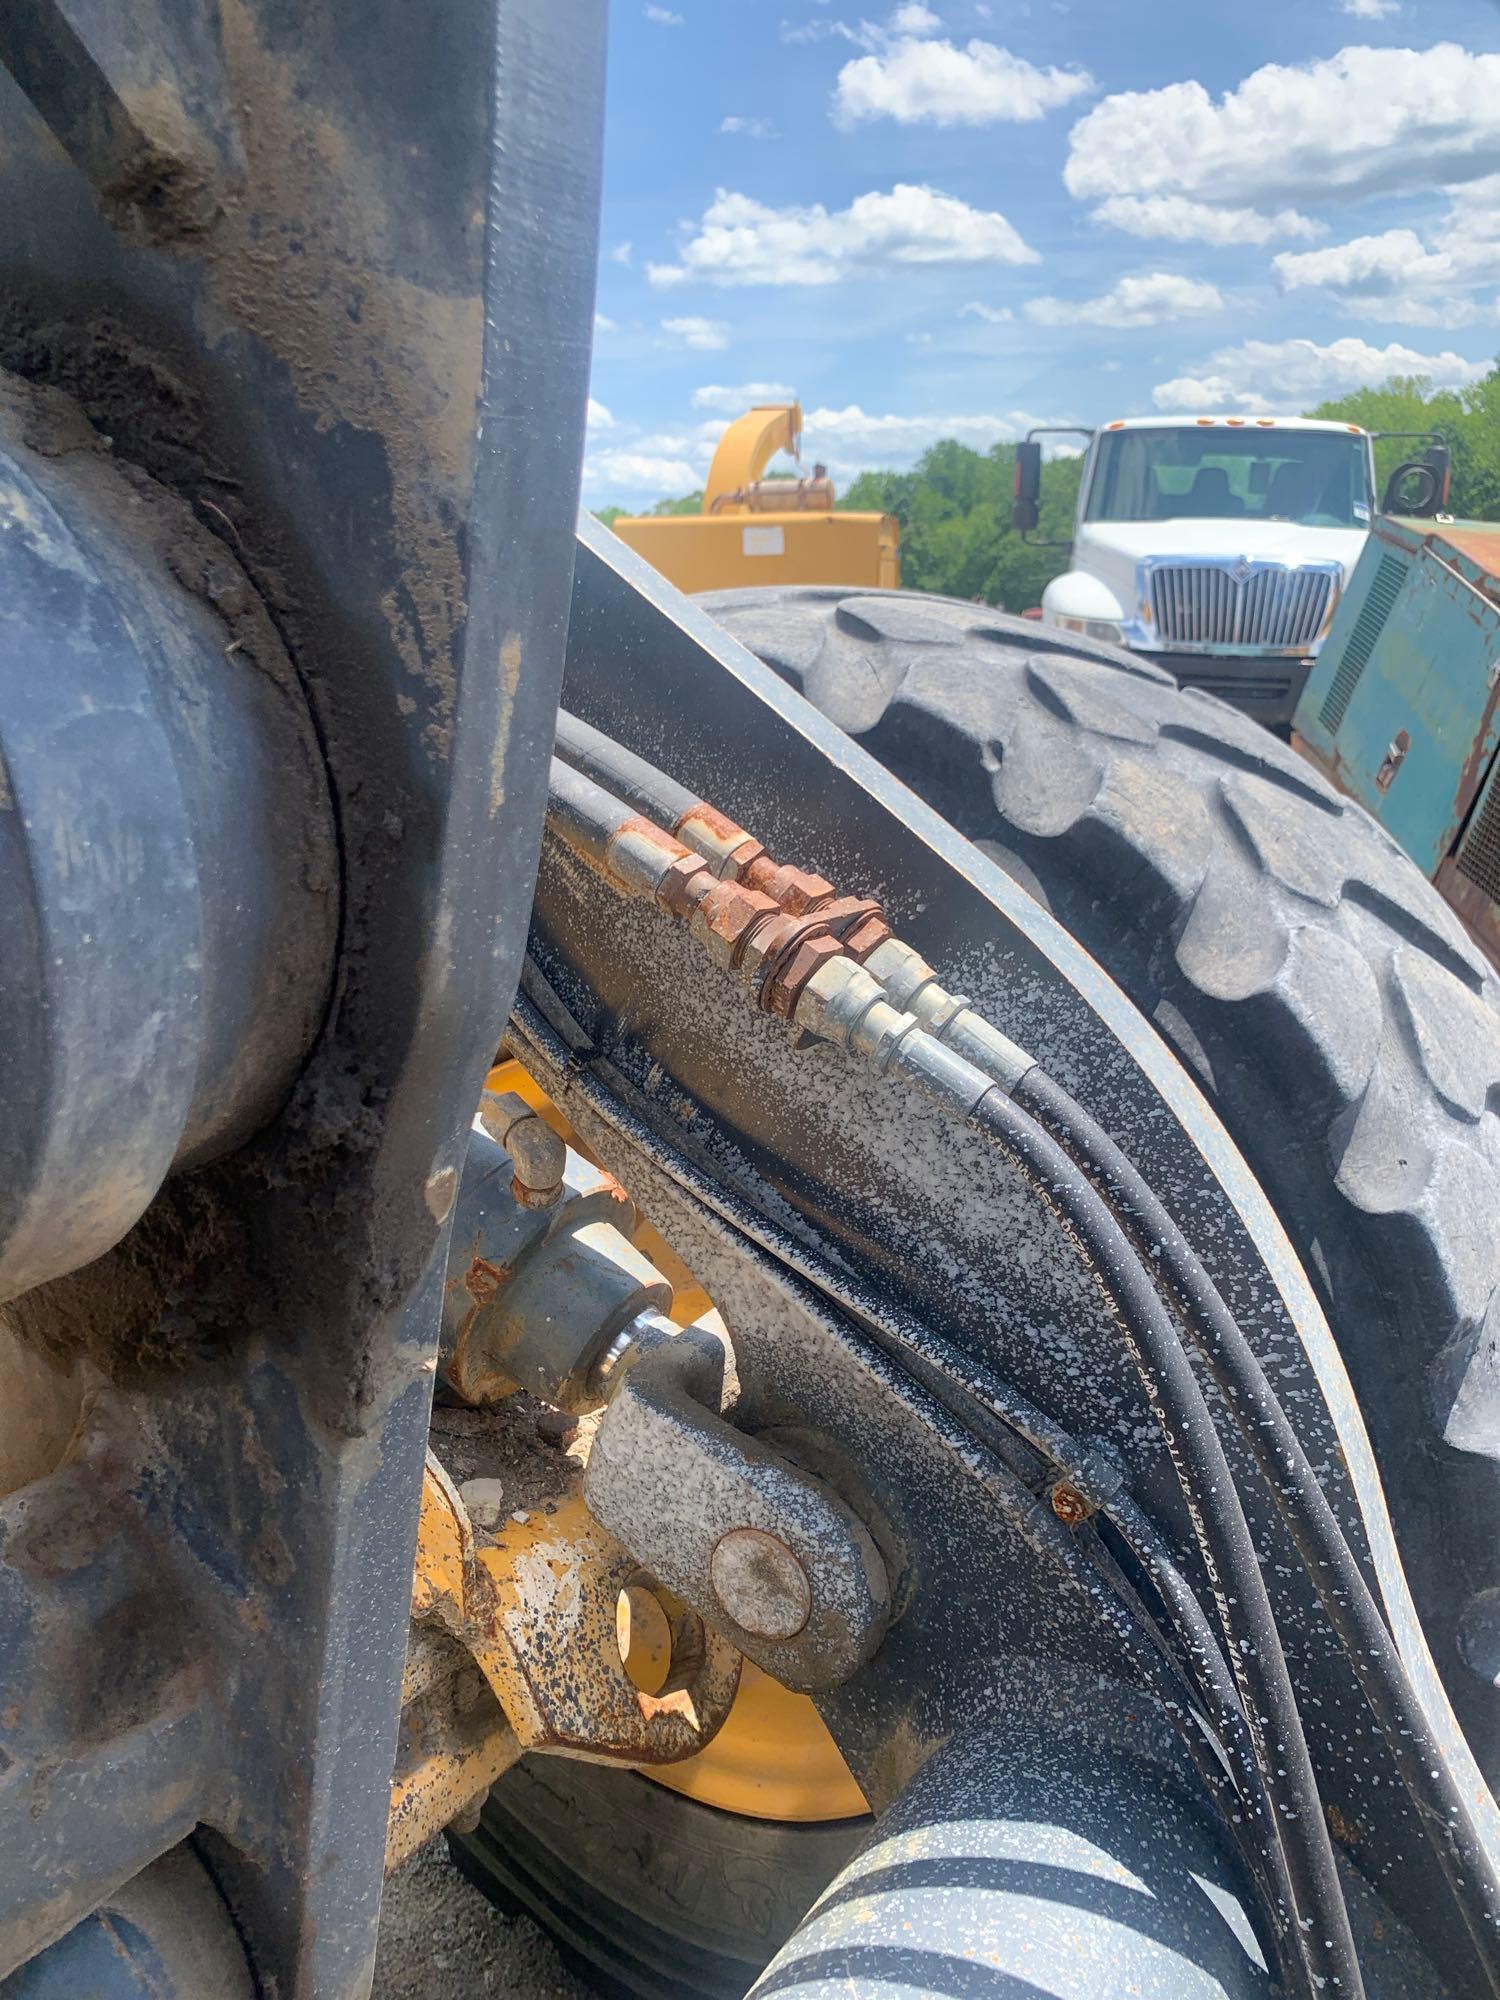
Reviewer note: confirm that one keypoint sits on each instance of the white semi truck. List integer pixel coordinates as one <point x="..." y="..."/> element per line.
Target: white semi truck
<point x="1220" y="545"/>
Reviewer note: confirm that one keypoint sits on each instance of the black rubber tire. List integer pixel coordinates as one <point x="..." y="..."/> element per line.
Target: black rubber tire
<point x="1342" y="1022"/>
<point x="647" y="1894"/>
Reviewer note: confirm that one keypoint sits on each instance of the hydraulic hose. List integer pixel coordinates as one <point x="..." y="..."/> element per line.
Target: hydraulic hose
<point x="1310" y="1521"/>
<point x="643" y="788"/>
<point x="937" y="1366"/>
<point x="602" y="827"/>
<point x="583" y="814"/>
<point x="1219" y="1526"/>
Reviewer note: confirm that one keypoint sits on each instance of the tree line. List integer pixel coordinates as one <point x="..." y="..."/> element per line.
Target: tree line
<point x="954" y="504"/>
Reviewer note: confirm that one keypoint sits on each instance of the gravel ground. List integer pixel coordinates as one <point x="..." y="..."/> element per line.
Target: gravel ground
<point x="440" y="1940"/>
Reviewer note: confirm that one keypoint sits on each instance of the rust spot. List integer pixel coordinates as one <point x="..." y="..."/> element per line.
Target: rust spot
<point x="529" y="1197"/>
<point x="1347" y="1832"/>
<point x="683" y="886"/>
<point x="1069" y="1505"/>
<point x="793" y="888"/>
<point x="649" y="831"/>
<point x="719" y="826"/>
<point x="862" y="938"/>
<point x="482" y="1280"/>
<point x="729" y="913"/>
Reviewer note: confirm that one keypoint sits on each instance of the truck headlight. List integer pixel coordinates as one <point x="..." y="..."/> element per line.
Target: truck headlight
<point x="1108" y="629"/>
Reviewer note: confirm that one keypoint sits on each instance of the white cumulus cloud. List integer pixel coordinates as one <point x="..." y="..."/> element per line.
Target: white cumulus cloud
<point x="707" y="335"/>
<point x="1151" y="299"/>
<point x="747" y="128"/>
<point x="1362" y="122"/>
<point x="1396" y="275"/>
<point x="734" y="398"/>
<point x="663" y="17"/>
<point x="991" y="315"/>
<point x="604" y="324"/>
<point x="853" y="440"/>
<point x="917" y="81"/>
<point x="600" y="418"/>
<point x="1371" y="10"/>
<point x="914" y="19"/>
<point x="1176" y="219"/>
<point x="1285" y="376"/>
<point x="637" y="476"/>
<point x="740" y="241"/>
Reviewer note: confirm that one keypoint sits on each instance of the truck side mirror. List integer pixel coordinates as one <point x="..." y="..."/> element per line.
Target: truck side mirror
<point x="1440" y="458"/>
<point x="1420" y="487"/>
<point x="1025" y="507"/>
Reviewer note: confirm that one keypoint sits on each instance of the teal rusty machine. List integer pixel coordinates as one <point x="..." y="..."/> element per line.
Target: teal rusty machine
<point x="1402" y="710"/>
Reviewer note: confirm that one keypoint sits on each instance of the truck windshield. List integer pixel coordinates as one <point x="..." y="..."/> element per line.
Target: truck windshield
<point x="1319" y="479"/>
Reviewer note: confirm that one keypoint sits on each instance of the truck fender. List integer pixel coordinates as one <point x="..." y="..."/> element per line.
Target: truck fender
<point x="1077" y="594"/>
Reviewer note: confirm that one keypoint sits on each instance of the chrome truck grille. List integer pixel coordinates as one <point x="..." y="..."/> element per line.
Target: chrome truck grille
<point x="1260" y="605"/>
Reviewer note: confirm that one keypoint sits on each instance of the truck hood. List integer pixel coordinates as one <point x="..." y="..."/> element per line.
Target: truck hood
<point x="1130" y="542"/>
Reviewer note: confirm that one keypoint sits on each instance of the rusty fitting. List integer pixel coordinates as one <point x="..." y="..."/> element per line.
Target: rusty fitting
<point x="539" y="1156"/>
<point x="727" y="848"/>
<point x="794" y="889"/>
<point x="725" y="918"/>
<point x="638" y="856"/>
<point x="684" y="885"/>
<point x="859" y="924"/>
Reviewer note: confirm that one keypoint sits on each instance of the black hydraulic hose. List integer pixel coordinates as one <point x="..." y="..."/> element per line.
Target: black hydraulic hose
<point x="586" y="816"/>
<point x="1310" y="1521"/>
<point x="1209" y="1742"/>
<point x="925" y="1356"/>
<point x="583" y="814"/>
<point x="644" y="788"/>
<point x="1244" y="1607"/>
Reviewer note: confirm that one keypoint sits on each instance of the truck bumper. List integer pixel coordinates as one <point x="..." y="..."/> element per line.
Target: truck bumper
<point x="1265" y="686"/>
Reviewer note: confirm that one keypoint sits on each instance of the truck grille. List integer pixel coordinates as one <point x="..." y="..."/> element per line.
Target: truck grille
<point x="1240" y="604"/>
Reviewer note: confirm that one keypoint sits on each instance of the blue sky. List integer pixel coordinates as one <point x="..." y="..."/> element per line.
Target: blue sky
<point x="958" y="219"/>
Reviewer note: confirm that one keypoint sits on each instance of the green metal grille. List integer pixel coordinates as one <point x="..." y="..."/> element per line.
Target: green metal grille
<point x="1386" y="588"/>
<point x="1479" y="857"/>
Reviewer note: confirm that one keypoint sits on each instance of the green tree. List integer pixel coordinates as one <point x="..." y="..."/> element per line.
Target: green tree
<point x="690" y="503"/>
<point x="954" y="513"/>
<point x="1468" y="418"/>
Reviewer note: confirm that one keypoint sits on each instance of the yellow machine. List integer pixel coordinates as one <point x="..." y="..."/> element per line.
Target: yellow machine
<point x="753" y="530"/>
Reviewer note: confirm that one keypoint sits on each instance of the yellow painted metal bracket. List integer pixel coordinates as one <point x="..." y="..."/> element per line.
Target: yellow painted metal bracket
<point x="536" y="1609"/>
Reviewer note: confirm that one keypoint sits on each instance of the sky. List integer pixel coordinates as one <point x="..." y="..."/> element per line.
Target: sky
<point x="962" y="218"/>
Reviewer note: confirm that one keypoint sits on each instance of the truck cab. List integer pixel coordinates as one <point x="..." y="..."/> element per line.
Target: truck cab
<point x="1219" y="547"/>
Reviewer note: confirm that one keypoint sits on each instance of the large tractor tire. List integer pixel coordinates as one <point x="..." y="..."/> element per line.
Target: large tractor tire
<point x="1330" y="1004"/>
<point x="646" y="1893"/>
